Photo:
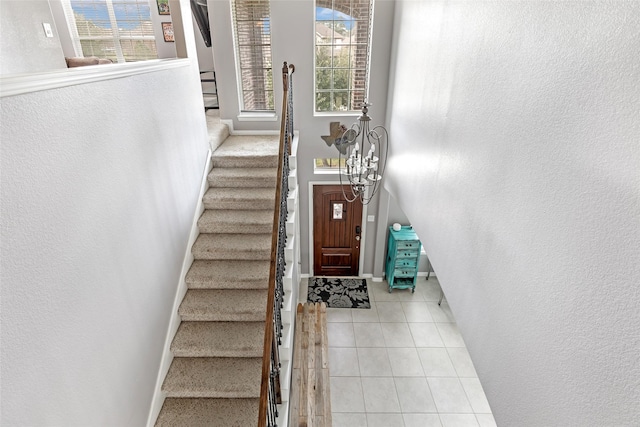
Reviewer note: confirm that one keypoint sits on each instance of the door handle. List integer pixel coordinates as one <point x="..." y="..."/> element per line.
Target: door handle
<point x="357" y="237"/>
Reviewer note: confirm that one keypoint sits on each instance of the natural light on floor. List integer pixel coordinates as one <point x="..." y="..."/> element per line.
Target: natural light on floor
<point x="402" y="362"/>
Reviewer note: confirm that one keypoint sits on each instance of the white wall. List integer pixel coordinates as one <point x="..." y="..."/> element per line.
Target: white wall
<point x="163" y="48"/>
<point x="96" y="213"/>
<point x="205" y="54"/>
<point x="516" y="129"/>
<point x="24" y="47"/>
<point x="99" y="187"/>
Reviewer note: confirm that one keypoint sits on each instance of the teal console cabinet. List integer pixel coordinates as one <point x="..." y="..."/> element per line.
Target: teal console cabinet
<point x="403" y="255"/>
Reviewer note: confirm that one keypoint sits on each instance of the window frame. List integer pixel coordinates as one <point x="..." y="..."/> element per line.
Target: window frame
<point x="116" y="35"/>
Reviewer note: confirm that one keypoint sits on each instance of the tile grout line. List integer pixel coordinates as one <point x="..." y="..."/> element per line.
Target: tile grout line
<point x="446" y="345"/>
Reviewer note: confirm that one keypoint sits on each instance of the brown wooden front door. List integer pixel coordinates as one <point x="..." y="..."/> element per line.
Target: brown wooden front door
<point x="337" y="227"/>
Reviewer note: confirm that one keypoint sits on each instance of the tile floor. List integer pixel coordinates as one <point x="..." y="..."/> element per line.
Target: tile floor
<point x="403" y="363"/>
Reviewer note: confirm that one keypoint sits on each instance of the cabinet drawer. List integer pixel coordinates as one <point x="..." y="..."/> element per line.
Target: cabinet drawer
<point x="404" y="283"/>
<point x="406" y="263"/>
<point x="399" y="272"/>
<point x="407" y="253"/>
<point x="408" y="244"/>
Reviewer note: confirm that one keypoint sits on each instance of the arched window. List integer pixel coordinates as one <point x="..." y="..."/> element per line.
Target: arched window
<point x="342" y="50"/>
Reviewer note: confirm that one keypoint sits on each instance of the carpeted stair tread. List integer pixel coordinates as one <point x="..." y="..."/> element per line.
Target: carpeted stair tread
<point x="239" y="198"/>
<point x="214" y="378"/>
<point x="219" y="339"/>
<point x="239" y="221"/>
<point x="228" y="274"/>
<point x="227" y="377"/>
<point x="242" y="177"/>
<point x="186" y="412"/>
<point x="222" y="305"/>
<point x="232" y="246"/>
<point x="247" y="151"/>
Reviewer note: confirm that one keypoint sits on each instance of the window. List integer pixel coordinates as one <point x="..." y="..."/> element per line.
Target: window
<point x="252" y="31"/>
<point x="342" y="39"/>
<point x="328" y="165"/>
<point x="120" y="30"/>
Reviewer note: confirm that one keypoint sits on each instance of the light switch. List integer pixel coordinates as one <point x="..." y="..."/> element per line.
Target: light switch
<point x="47" y="29"/>
<point x="371" y="218"/>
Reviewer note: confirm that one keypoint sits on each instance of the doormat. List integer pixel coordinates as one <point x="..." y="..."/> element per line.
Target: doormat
<point x="339" y="293"/>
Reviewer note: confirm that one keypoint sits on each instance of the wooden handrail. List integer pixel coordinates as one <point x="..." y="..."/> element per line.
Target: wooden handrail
<point x="269" y="334"/>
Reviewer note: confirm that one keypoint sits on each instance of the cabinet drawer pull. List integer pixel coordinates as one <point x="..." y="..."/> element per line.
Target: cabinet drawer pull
<point x="407" y="245"/>
<point x="406" y="262"/>
<point x="407" y="254"/>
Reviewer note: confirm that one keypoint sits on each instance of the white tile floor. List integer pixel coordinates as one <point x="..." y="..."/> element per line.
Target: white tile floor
<point x="403" y="363"/>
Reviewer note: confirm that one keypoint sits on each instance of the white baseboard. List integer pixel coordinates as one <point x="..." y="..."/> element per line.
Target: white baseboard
<point x="233" y="131"/>
<point x="174" y="322"/>
<point x="424" y="274"/>
<point x="420" y="274"/>
<point x="256" y="132"/>
<point x="376" y="279"/>
<point x="372" y="277"/>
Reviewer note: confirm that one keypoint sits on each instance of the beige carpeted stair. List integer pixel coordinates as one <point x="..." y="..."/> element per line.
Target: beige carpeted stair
<point x="214" y="379"/>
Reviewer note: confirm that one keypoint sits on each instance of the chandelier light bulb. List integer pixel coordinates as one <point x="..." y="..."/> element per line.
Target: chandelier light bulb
<point x="364" y="173"/>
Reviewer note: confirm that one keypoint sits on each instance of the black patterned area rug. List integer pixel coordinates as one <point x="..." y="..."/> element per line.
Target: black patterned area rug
<point x="339" y="293"/>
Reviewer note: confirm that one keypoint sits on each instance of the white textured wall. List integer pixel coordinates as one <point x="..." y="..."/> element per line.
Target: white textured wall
<point x="99" y="187"/>
<point x="24" y="47"/>
<point x="516" y="155"/>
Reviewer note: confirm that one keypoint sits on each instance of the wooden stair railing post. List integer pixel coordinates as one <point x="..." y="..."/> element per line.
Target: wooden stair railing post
<point x="270" y="390"/>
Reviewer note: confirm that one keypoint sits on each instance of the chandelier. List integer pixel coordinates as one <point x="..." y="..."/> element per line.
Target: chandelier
<point x="364" y="151"/>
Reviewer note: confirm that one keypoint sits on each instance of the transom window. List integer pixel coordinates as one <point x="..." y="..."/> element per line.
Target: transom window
<point x="120" y="30"/>
<point x="252" y="31"/>
<point x="329" y="163"/>
<point x="342" y="40"/>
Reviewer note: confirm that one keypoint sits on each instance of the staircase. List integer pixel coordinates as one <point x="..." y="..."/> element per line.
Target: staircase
<point x="215" y="375"/>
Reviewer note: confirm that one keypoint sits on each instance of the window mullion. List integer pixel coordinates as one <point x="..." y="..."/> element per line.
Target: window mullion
<point x="116" y="32"/>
